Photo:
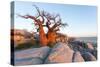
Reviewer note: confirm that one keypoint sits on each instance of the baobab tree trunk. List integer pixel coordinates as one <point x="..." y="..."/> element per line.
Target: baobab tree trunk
<point x="51" y="37"/>
<point x="42" y="36"/>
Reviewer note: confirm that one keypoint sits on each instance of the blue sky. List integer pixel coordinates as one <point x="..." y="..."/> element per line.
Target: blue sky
<point x="82" y="19"/>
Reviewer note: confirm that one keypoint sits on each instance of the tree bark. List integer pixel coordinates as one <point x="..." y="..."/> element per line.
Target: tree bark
<point x="42" y="35"/>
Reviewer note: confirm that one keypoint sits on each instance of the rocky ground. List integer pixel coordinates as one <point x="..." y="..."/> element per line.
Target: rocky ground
<point x="75" y="51"/>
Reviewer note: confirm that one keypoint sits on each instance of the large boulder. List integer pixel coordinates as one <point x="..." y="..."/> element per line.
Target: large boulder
<point x="31" y="56"/>
<point x="76" y="45"/>
<point x="77" y="57"/>
<point x="90" y="46"/>
<point x="85" y="52"/>
<point x="88" y="56"/>
<point x="60" y="53"/>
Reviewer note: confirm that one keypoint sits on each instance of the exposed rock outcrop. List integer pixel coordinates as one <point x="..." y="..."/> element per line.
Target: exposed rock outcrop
<point x="31" y="56"/>
<point x="90" y="46"/>
<point x="88" y="56"/>
<point x="77" y="57"/>
<point x="60" y="53"/>
<point x="21" y="36"/>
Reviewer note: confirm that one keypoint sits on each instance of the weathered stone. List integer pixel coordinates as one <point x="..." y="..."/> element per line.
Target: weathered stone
<point x="88" y="56"/>
<point x="78" y="57"/>
<point x="76" y="45"/>
<point x="90" y="46"/>
<point x="31" y="56"/>
<point x="60" y="53"/>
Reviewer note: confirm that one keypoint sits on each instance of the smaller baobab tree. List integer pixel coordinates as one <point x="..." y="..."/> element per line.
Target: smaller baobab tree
<point x="44" y="19"/>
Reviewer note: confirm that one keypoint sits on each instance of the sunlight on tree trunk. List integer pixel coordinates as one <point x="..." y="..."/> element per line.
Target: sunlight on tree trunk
<point x="42" y="35"/>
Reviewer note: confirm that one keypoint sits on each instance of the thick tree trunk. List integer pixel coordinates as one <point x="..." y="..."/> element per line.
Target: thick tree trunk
<point x="42" y="35"/>
<point x="51" y="37"/>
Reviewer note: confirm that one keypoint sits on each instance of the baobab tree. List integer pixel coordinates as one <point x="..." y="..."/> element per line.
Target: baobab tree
<point x="44" y="19"/>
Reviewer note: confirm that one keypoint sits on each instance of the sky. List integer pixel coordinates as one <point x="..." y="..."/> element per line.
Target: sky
<point x="81" y="19"/>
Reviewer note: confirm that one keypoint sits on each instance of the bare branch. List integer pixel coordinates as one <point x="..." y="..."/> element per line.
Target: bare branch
<point x="39" y="13"/>
<point x="57" y="29"/>
<point x="64" y="24"/>
<point x="55" y="25"/>
<point x="28" y="16"/>
<point x="48" y="25"/>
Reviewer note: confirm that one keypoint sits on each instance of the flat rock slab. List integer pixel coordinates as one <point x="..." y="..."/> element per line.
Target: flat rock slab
<point x="31" y="56"/>
<point x="60" y="53"/>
